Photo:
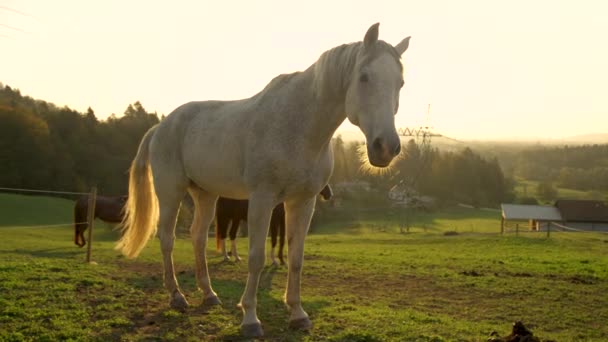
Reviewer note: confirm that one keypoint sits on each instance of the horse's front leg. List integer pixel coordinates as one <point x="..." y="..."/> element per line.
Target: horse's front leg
<point x="204" y="205"/>
<point x="258" y="218"/>
<point x="298" y="214"/>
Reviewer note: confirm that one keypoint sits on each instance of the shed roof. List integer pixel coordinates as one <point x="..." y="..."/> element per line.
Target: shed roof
<point x="530" y="212"/>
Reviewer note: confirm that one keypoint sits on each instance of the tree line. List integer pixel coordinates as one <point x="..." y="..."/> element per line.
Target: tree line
<point x="575" y="167"/>
<point x="43" y="146"/>
<point x="449" y="177"/>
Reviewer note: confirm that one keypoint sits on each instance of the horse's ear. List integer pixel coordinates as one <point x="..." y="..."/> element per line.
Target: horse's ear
<point x="401" y="47"/>
<point x="371" y="37"/>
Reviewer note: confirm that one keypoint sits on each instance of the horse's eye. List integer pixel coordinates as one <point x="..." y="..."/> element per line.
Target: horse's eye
<point x="363" y="77"/>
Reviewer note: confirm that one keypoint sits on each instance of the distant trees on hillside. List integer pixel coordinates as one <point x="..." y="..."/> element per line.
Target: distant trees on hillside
<point x="546" y="191"/>
<point x="47" y="147"/>
<point x="575" y="167"/>
<point x="462" y="176"/>
<point x="44" y="146"/>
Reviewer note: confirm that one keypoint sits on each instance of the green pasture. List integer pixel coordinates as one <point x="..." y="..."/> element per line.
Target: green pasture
<point x="527" y="188"/>
<point x="363" y="280"/>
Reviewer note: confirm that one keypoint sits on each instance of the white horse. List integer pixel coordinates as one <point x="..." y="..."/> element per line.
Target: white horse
<point x="273" y="147"/>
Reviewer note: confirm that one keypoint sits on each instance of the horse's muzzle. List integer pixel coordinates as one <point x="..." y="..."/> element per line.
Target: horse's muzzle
<point x="382" y="151"/>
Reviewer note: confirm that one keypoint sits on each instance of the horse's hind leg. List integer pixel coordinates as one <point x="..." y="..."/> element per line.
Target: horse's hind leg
<point x="233" y="232"/>
<point x="297" y="216"/>
<point x="274" y="226"/>
<point x="204" y="205"/>
<point x="221" y="231"/>
<point x="281" y="239"/>
<point x="169" y="199"/>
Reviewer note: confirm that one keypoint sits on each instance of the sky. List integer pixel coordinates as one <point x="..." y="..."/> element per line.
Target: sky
<point x="491" y="70"/>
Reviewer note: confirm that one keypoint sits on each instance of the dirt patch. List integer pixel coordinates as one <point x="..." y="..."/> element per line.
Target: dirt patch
<point x="471" y="273"/>
<point x="583" y="279"/>
<point x="398" y="290"/>
<point x="574" y="279"/>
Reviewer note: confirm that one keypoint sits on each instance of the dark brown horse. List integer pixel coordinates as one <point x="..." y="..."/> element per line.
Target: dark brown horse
<point x="232" y="212"/>
<point x="107" y="208"/>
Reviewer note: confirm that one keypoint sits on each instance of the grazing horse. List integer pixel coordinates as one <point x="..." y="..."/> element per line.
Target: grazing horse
<point x="270" y="148"/>
<point x="230" y="212"/>
<point x="107" y="208"/>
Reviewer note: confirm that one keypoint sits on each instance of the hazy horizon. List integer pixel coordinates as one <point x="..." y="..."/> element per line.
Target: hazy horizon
<point x="514" y="71"/>
<point x="352" y="133"/>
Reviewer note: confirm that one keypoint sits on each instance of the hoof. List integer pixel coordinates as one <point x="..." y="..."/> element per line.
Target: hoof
<point x="252" y="330"/>
<point x="210" y="301"/>
<point x="300" y="324"/>
<point x="237" y="259"/>
<point x="226" y="259"/>
<point x="179" y="303"/>
<point x="275" y="263"/>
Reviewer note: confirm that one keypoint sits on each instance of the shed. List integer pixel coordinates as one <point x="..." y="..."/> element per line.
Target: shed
<point x="584" y="214"/>
<point x="583" y="210"/>
<point x="535" y="214"/>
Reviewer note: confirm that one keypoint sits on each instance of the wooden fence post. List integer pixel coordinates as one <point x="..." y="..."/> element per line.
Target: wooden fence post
<point x="91" y="219"/>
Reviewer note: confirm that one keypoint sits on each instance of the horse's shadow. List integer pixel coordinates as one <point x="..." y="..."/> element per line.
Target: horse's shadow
<point x="271" y="309"/>
<point x="59" y="252"/>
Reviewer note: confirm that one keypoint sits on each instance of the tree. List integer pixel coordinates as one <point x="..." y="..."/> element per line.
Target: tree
<point x="340" y="173"/>
<point x="546" y="191"/>
<point x="25" y="154"/>
<point x="44" y="146"/>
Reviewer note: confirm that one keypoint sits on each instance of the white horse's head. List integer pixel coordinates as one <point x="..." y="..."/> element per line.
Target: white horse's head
<point x="372" y="97"/>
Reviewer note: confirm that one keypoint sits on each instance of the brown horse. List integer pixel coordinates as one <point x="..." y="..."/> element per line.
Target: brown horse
<point x="107" y="208"/>
<point x="232" y="212"/>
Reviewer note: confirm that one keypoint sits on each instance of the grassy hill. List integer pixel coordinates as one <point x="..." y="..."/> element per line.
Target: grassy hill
<point x="362" y="281"/>
<point x="527" y="188"/>
<point x="26" y="210"/>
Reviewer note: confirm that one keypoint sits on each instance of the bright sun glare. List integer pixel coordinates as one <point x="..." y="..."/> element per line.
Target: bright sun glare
<point x="369" y="169"/>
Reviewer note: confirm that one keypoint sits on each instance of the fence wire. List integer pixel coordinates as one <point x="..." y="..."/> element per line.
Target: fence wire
<point x="44" y="191"/>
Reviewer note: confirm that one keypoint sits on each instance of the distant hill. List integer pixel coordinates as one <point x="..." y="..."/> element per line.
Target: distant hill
<point x="594" y="138"/>
<point x="25" y="210"/>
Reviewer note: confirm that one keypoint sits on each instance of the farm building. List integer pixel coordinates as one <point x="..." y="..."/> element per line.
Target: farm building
<point x="538" y="217"/>
<point x="568" y="215"/>
<point x="406" y="197"/>
<point x="584" y="214"/>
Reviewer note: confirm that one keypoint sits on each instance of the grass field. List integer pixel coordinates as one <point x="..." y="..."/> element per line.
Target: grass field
<point x="527" y="188"/>
<point x="363" y="281"/>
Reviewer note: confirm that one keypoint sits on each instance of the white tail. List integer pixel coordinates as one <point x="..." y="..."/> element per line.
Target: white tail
<point x="141" y="210"/>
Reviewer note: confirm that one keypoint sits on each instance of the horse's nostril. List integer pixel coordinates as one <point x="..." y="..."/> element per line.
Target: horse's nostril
<point x="398" y="149"/>
<point x="377" y="144"/>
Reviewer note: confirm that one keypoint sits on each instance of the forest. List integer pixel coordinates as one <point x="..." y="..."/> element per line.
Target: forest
<point x="575" y="167"/>
<point x="46" y="147"/>
<point x="43" y="146"/>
